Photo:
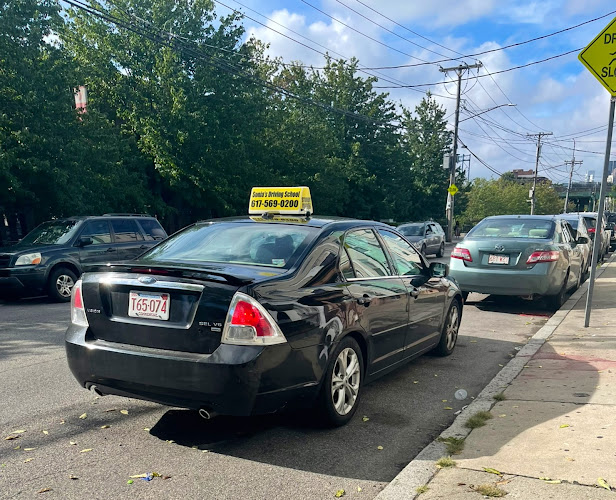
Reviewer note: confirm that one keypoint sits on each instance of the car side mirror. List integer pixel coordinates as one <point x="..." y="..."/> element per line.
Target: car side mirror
<point x="84" y="241"/>
<point x="438" y="269"/>
<point x="582" y="240"/>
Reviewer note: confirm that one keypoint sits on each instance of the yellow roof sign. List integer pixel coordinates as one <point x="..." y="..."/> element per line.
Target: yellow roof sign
<point x="280" y="200"/>
<point x="452" y="190"/>
<point x="600" y="57"/>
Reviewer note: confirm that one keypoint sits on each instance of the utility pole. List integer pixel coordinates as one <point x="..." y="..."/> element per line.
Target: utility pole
<point x="453" y="158"/>
<point x="533" y="196"/>
<point x="573" y="164"/>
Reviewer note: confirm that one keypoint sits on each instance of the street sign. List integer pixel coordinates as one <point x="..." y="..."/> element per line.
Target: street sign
<point x="452" y="190"/>
<point x="599" y="57"/>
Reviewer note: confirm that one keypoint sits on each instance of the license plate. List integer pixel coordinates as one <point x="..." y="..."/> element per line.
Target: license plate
<point x="149" y="305"/>
<point x="498" y="259"/>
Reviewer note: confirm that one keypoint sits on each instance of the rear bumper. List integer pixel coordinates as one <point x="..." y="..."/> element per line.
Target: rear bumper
<point x="543" y="279"/>
<point x="233" y="380"/>
<point x="15" y="282"/>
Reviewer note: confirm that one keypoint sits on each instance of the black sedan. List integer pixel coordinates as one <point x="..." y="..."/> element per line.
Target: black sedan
<point x="245" y="316"/>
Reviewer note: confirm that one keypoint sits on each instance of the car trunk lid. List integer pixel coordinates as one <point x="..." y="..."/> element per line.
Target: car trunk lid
<point x="196" y="304"/>
<point x="506" y="254"/>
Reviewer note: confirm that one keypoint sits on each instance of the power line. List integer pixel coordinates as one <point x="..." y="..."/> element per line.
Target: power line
<point x="494" y="73"/>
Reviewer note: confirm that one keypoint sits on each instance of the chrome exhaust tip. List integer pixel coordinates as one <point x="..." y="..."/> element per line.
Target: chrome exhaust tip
<point x="96" y="390"/>
<point x="207" y="414"/>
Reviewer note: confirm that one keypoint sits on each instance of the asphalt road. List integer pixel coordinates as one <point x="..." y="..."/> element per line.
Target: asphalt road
<point x="282" y="456"/>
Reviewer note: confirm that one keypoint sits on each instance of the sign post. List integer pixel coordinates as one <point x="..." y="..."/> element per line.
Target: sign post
<point x="599" y="57"/>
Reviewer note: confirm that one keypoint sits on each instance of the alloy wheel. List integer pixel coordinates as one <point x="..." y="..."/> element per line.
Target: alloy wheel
<point x="346" y="378"/>
<point x="452" y="327"/>
<point x="64" y="285"/>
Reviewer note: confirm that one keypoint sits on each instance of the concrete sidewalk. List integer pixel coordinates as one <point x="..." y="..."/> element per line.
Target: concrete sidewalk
<point x="552" y="427"/>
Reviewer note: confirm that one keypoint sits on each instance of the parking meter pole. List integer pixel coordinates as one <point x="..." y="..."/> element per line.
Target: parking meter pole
<point x="598" y="226"/>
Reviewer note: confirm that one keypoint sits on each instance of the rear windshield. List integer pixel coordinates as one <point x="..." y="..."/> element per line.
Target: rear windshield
<point x="412" y="230"/>
<point x="590" y="221"/>
<point x="258" y="244"/>
<point x="513" y="228"/>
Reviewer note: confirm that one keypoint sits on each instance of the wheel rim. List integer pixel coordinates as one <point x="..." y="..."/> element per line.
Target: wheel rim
<point x="346" y="378"/>
<point x="64" y="285"/>
<point x="452" y="328"/>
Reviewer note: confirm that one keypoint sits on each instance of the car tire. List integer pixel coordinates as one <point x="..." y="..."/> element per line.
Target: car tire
<point x="337" y="389"/>
<point x="585" y="273"/>
<point x="556" y="301"/>
<point x="441" y="250"/>
<point x="60" y="284"/>
<point x="449" y="332"/>
<point x="423" y="250"/>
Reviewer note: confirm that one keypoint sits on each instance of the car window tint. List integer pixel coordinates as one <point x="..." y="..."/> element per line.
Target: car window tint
<point x="98" y="230"/>
<point x="126" y="231"/>
<point x="345" y="265"/>
<point x="262" y="244"/>
<point x="367" y="256"/>
<point x="406" y="259"/>
<point x="513" y="228"/>
<point x="412" y="230"/>
<point x="152" y="229"/>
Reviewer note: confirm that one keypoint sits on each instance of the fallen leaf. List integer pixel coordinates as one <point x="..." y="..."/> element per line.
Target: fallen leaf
<point x="29" y="449"/>
<point x="83" y="416"/>
<point x="473" y="341"/>
<point x="166" y="477"/>
<point x="170" y="441"/>
<point x="147" y="429"/>
<point x="502" y="415"/>
<point x="130" y="481"/>
<point x="603" y="483"/>
<point x="44" y="490"/>
<point x="339" y="493"/>
<point x="17" y="447"/>
<point x="73" y="477"/>
<point x="124" y="412"/>
<point x="10" y="438"/>
<point x="20" y="431"/>
<point x="379" y="447"/>
<point x="72" y="442"/>
<point x="569" y="459"/>
<point x="444" y="400"/>
<point x="492" y="471"/>
<point x="500" y="365"/>
<point x="86" y="450"/>
<point x="111" y="409"/>
<point x="365" y="419"/>
<point x="550" y="481"/>
<point x="562" y="426"/>
<point x="435" y="375"/>
<point x="416" y="381"/>
<point x="156" y="474"/>
<point x="105" y="426"/>
<point x="62" y="422"/>
<point x="448" y="408"/>
<point x="46" y="433"/>
<point x="28" y="460"/>
<point x="358" y="489"/>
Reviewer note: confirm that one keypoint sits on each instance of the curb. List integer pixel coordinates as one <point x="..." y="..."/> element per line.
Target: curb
<point x="422" y="468"/>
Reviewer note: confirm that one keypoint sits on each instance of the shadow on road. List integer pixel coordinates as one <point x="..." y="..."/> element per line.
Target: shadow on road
<point x="406" y="410"/>
<point x="509" y="305"/>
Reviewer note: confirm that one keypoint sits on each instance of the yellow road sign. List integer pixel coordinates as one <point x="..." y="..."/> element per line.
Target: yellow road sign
<point x="452" y="190"/>
<point x="600" y="57"/>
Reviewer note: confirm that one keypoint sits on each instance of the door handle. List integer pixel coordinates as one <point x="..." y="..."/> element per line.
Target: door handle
<point x="364" y="300"/>
<point x="414" y="293"/>
<point x="111" y="249"/>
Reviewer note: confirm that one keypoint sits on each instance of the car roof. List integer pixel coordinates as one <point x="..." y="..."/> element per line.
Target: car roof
<point x="319" y="221"/>
<point x="531" y="217"/>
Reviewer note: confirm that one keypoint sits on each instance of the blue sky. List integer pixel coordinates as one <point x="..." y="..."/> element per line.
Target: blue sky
<point x="558" y="96"/>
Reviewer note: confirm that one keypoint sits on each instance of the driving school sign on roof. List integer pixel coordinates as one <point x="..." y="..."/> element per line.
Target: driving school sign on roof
<point x="600" y="57"/>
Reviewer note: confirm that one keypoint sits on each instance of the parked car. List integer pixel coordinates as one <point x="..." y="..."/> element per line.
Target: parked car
<point x="526" y="255"/>
<point x="579" y="228"/>
<point x="247" y="315"/>
<point x="611" y="226"/>
<point x="428" y="237"/>
<point x="591" y="224"/>
<point x="50" y="258"/>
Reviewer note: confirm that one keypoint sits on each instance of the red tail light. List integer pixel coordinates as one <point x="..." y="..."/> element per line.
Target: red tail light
<point x="461" y="253"/>
<point x="591" y="230"/>
<point x="245" y="314"/>
<point x="248" y="323"/>
<point x="78" y="312"/>
<point x="543" y="256"/>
